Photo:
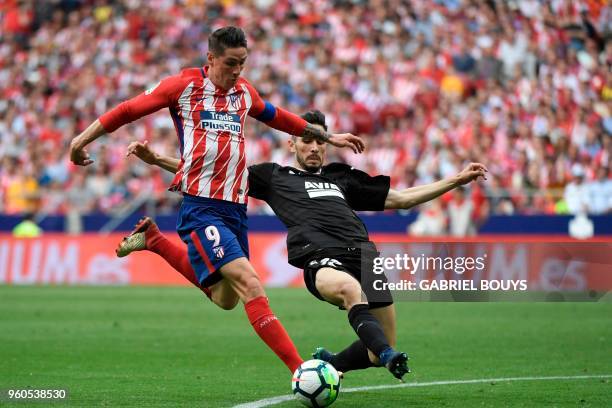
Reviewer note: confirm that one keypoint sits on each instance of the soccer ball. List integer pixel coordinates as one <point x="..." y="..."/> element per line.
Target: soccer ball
<point x="316" y="383"/>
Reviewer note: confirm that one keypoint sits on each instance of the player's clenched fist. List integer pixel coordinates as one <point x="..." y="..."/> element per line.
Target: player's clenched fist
<point x="79" y="155"/>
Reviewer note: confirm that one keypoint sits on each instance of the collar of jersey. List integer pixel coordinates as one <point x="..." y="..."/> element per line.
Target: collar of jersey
<point x="304" y="172"/>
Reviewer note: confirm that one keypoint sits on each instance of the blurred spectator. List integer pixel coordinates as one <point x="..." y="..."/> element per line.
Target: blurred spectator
<point x="600" y="193"/>
<point x="27" y="228"/>
<point x="499" y="198"/>
<point x="431" y="220"/>
<point x="524" y="86"/>
<point x="576" y="192"/>
<point x="20" y="188"/>
<point x="460" y="214"/>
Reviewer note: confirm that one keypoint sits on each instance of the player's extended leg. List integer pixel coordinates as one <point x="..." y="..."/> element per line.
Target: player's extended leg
<point x="357" y="356"/>
<point x="215" y="232"/>
<point x="341" y="289"/>
<point x="245" y="282"/>
<point x="147" y="236"/>
<point x="240" y="274"/>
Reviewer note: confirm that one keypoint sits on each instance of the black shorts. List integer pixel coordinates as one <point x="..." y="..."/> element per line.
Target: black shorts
<point x="351" y="261"/>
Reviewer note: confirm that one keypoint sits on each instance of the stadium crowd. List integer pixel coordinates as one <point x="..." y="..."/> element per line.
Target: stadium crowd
<point x="523" y="86"/>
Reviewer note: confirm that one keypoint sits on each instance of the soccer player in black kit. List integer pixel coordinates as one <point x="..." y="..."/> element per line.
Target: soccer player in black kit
<point x="325" y="238"/>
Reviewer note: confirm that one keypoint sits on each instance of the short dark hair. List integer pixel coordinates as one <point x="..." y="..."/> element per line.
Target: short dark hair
<point x="226" y="37"/>
<point x="315" y="117"/>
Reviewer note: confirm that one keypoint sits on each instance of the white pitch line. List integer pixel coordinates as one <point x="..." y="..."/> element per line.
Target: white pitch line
<point x="282" y="398"/>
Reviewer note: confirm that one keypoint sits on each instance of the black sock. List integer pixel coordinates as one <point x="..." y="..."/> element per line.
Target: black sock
<point x="354" y="357"/>
<point x="368" y="329"/>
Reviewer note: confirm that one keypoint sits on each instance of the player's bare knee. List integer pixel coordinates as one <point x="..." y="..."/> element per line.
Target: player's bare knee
<point x="243" y="279"/>
<point x="350" y="293"/>
<point x="249" y="286"/>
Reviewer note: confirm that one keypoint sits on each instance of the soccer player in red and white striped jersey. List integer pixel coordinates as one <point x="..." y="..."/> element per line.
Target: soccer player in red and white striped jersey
<point x="209" y="106"/>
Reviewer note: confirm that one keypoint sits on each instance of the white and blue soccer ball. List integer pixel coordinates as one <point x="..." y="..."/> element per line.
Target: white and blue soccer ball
<point x="316" y="383"/>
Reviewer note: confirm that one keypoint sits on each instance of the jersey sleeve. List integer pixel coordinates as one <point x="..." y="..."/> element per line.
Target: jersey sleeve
<point x="367" y="193"/>
<point x="162" y="95"/>
<point x="273" y="116"/>
<point x="259" y="180"/>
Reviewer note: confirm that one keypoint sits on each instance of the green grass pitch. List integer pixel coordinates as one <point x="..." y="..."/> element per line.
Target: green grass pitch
<point x="170" y="347"/>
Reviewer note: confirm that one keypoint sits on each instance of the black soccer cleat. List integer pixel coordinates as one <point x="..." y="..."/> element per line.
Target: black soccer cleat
<point x="321" y="354"/>
<point x="398" y="365"/>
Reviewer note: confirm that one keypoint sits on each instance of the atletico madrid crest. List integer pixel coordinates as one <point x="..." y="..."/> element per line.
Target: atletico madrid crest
<point x="235" y="101"/>
<point x="219" y="252"/>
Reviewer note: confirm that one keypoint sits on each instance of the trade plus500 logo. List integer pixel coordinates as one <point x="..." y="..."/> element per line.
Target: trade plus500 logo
<point x="221" y="122"/>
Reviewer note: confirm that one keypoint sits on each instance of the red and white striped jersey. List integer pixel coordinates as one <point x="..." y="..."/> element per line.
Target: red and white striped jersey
<point x="209" y="123"/>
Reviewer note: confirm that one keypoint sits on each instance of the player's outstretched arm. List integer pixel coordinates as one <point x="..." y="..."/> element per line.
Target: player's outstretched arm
<point x="159" y="96"/>
<point x="410" y="197"/>
<point x="289" y="122"/>
<point x="144" y="153"/>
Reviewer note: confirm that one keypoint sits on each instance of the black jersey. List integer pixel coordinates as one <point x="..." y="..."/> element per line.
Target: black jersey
<point x="318" y="209"/>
